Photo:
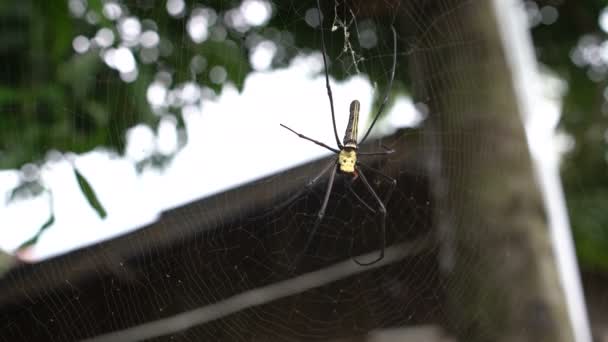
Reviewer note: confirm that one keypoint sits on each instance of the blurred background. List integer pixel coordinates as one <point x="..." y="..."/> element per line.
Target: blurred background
<point x="120" y="116"/>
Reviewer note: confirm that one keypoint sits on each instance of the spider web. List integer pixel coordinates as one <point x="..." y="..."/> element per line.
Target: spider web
<point x="226" y="260"/>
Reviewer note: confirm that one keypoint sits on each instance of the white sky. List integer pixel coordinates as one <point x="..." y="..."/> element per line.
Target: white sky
<point x="231" y="141"/>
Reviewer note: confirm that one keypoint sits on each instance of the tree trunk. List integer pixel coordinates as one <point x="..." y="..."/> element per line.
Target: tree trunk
<point x="501" y="275"/>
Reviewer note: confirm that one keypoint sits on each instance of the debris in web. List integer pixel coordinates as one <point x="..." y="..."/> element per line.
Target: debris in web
<point x="348" y="46"/>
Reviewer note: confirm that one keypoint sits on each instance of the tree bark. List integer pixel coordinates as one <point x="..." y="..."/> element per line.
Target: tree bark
<point x="501" y="276"/>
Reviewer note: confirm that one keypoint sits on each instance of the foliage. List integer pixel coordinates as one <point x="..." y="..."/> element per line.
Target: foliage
<point x="54" y="98"/>
<point x="584" y="168"/>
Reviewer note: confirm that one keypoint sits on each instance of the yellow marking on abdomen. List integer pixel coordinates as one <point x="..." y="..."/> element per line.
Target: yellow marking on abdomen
<point x="347" y="160"/>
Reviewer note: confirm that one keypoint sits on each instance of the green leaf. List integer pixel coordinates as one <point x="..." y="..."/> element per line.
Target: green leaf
<point x="26" y="190"/>
<point x="88" y="192"/>
<point x="35" y="238"/>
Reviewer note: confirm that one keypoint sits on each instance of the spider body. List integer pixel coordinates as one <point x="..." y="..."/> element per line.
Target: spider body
<point x="347" y="158"/>
<point x="346" y="162"/>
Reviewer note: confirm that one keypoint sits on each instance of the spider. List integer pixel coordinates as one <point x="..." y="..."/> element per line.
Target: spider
<point x="346" y="162"/>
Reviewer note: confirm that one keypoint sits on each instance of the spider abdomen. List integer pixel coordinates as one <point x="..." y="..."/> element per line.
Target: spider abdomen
<point x="350" y="136"/>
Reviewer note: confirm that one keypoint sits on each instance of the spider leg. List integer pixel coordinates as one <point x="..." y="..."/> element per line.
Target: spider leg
<point x="392" y="182"/>
<point x="376" y="153"/>
<point x="387" y="150"/>
<point x="306" y="188"/>
<point x="382" y="210"/>
<point x="331" y="99"/>
<point x="320" y="215"/>
<point x="310" y="139"/>
<point x="349" y="184"/>
<point x="388" y="90"/>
